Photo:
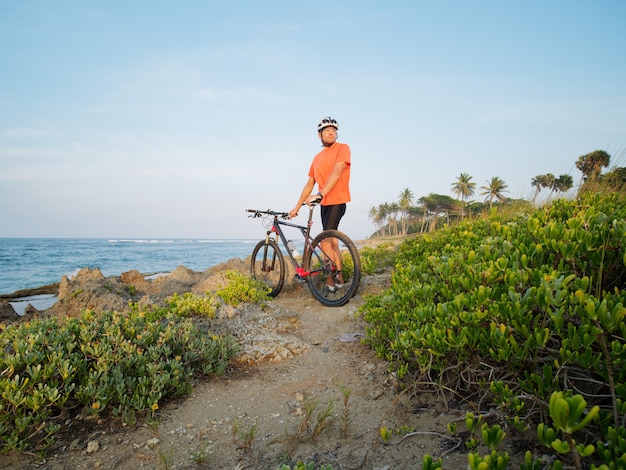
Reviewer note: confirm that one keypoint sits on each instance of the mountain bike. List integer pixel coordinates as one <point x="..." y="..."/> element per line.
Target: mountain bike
<point x="331" y="280"/>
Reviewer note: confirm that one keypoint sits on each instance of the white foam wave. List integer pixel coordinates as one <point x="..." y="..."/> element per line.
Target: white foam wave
<point x="131" y="240"/>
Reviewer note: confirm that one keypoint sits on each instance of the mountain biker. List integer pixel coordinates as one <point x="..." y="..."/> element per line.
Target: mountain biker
<point x="330" y="170"/>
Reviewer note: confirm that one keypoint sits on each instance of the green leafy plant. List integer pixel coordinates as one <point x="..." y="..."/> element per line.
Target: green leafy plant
<point x="200" y="455"/>
<point x="242" y="288"/>
<point x="190" y="304"/>
<point x="429" y="464"/>
<point x="568" y="416"/>
<point x="316" y="420"/>
<point x="492" y="461"/>
<point x="345" y="417"/>
<point x="243" y="438"/>
<point x="523" y="306"/>
<point x="377" y="260"/>
<point x="118" y="363"/>
<point x="385" y="434"/>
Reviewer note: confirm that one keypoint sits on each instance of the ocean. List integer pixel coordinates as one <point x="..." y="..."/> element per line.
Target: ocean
<point x="35" y="262"/>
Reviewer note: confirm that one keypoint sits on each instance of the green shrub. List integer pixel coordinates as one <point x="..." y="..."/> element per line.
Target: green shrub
<point x="242" y="288"/>
<point x="377" y="260"/>
<point x="191" y="304"/>
<point x="520" y="308"/>
<point x="120" y="363"/>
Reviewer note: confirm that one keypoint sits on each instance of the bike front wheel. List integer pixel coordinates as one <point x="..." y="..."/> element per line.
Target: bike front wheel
<point x="268" y="266"/>
<point x="333" y="268"/>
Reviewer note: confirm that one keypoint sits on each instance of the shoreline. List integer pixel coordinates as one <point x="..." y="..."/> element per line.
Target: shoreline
<point x="44" y="297"/>
<point x="41" y="298"/>
<point x="22" y="293"/>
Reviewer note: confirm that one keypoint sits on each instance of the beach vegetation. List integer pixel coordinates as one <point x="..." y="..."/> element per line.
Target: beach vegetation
<point x="243" y="437"/>
<point x="434" y="211"/>
<point x="524" y="318"/>
<point x="121" y="365"/>
<point x="242" y="288"/>
<point x="377" y="260"/>
<point x="189" y="304"/>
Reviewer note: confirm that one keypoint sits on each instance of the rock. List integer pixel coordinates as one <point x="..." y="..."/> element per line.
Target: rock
<point x="183" y="274"/>
<point x="89" y="289"/>
<point x="375" y="394"/>
<point x="30" y="310"/>
<point x="92" y="446"/>
<point x="85" y="276"/>
<point x="152" y="443"/>
<point x="263" y="333"/>
<point x="132" y="277"/>
<point x="7" y="312"/>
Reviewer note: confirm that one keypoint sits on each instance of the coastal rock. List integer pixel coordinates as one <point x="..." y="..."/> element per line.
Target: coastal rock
<point x="165" y="286"/>
<point x="184" y="275"/>
<point x="215" y="278"/>
<point x="7" y="312"/>
<point x="84" y="276"/>
<point x="30" y="310"/>
<point x="132" y="277"/>
<point x="263" y="333"/>
<point x="89" y="289"/>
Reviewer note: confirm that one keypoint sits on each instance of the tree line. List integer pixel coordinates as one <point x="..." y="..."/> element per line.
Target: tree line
<point x="409" y="215"/>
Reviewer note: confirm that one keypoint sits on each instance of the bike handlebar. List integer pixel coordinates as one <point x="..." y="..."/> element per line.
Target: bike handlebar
<point x="284" y="215"/>
<point x="259" y="213"/>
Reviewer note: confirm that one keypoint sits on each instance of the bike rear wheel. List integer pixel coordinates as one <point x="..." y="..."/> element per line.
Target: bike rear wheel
<point x="331" y="283"/>
<point x="268" y="266"/>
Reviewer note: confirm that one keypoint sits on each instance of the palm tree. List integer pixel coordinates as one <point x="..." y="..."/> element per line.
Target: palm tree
<point x="463" y="187"/>
<point x="394" y="208"/>
<point x="428" y="205"/>
<point x="374" y="214"/>
<point x="537" y="184"/>
<point x="563" y="183"/>
<point x="548" y="182"/>
<point x="435" y="205"/>
<point x="592" y="163"/>
<point x="383" y="210"/>
<point x="405" y="200"/>
<point x="495" y="189"/>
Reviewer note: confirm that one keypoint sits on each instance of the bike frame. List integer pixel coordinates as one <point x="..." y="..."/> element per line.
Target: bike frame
<point x="305" y="230"/>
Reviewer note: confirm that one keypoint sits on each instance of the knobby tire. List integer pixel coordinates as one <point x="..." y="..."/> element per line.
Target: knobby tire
<point x="268" y="266"/>
<point x="324" y="272"/>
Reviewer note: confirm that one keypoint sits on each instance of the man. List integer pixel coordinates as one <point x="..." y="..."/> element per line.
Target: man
<point x="330" y="170"/>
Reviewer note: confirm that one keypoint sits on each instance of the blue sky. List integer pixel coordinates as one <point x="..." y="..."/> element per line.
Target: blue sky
<point x="168" y="119"/>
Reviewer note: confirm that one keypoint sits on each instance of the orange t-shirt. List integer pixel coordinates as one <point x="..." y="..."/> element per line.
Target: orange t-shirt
<point x="322" y="167"/>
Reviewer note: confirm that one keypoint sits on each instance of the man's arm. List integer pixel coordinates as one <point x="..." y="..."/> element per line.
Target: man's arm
<point x="334" y="177"/>
<point x="306" y="192"/>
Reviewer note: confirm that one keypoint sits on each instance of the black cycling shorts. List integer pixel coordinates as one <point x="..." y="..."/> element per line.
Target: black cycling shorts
<point x="331" y="215"/>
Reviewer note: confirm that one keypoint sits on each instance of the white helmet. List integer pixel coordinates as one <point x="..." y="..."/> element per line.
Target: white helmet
<point x="327" y="122"/>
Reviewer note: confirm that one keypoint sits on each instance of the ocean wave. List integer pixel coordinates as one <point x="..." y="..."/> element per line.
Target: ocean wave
<point x="129" y="240"/>
<point x="227" y="241"/>
<point x="180" y="240"/>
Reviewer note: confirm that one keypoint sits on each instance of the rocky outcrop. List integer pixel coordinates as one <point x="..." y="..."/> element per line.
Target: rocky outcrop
<point x="264" y="333"/>
<point x="7" y="312"/>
